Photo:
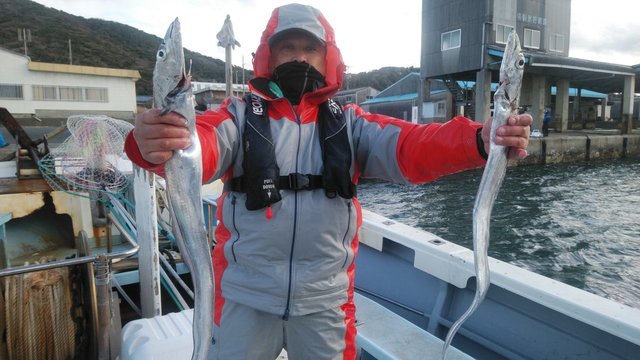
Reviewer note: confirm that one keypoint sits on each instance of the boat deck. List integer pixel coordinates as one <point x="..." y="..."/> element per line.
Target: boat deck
<point x="381" y="335"/>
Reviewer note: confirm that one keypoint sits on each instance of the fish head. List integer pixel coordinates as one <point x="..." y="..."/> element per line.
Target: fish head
<point x="169" y="75"/>
<point x="512" y="67"/>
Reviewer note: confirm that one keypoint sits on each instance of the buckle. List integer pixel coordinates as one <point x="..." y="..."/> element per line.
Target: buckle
<point x="299" y="182"/>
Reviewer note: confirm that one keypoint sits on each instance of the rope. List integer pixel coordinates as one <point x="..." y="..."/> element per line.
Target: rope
<point x="38" y="306"/>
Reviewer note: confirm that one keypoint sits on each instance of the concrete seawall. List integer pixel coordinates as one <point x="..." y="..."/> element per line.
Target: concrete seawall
<point x="581" y="145"/>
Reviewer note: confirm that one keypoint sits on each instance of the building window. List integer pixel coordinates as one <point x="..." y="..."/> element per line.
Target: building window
<point x="70" y="93"/>
<point x="11" y="91"/>
<point x="450" y="40"/>
<point x="532" y="38"/>
<point x="42" y="92"/>
<point x="556" y="42"/>
<point x="348" y="99"/>
<point x="96" y="94"/>
<point x="502" y="33"/>
<point x="441" y="107"/>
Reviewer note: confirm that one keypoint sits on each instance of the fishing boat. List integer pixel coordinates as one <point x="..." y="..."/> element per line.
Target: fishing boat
<point x="68" y="255"/>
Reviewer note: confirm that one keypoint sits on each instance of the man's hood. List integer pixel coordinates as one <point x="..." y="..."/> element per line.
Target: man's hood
<point x="296" y="16"/>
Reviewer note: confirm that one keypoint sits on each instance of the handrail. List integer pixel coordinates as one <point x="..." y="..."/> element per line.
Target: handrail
<point x="80" y="260"/>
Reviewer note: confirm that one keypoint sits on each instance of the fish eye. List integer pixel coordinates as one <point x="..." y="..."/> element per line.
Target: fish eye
<point x="161" y="54"/>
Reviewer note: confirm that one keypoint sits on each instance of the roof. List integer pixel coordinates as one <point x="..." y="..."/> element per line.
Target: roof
<point x="597" y="76"/>
<point x="355" y="90"/>
<point x="84" y="70"/>
<point x="403" y="97"/>
<point x="585" y="93"/>
<point x="143" y="98"/>
<point x="206" y="86"/>
<point x="75" y="69"/>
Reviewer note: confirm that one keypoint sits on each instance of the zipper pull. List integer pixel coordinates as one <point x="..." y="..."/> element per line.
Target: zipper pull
<point x="269" y="213"/>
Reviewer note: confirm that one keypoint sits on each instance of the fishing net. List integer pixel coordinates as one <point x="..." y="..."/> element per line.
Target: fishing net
<point x="91" y="158"/>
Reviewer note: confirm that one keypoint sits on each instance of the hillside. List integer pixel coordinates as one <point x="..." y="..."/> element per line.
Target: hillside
<point x="103" y="43"/>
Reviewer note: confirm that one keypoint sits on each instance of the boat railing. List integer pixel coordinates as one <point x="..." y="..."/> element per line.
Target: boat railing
<point x="82" y="259"/>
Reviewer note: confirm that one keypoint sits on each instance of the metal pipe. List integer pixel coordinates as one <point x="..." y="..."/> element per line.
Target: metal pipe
<point x="125" y="296"/>
<point x="80" y="260"/>
<point x="172" y="288"/>
<point x="103" y="291"/>
<point x="175" y="275"/>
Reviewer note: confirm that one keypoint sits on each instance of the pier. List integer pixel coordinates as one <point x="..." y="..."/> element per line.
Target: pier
<point x="582" y="145"/>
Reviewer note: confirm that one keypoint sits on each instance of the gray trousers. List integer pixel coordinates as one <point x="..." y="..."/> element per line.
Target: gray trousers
<point x="246" y="333"/>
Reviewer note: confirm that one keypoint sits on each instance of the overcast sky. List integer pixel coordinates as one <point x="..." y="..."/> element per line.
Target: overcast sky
<point x="370" y="36"/>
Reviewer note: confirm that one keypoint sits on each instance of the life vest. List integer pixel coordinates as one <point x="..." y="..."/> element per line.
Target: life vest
<point x="262" y="181"/>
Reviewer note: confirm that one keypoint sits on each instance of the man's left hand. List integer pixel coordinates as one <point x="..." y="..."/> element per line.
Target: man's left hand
<point x="514" y="134"/>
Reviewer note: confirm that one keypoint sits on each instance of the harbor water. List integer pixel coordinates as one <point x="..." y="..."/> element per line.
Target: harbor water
<point x="576" y="223"/>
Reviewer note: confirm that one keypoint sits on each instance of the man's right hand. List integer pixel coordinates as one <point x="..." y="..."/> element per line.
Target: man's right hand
<point x="158" y="135"/>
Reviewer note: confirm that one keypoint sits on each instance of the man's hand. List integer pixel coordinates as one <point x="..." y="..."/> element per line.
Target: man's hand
<point x="158" y="135"/>
<point x="514" y="134"/>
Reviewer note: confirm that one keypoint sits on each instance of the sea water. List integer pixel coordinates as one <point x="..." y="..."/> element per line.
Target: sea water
<point x="576" y="223"/>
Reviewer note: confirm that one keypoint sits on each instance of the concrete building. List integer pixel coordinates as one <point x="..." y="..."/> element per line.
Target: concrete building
<point x="399" y="100"/>
<point x="356" y="96"/>
<point x="46" y="90"/>
<point x="209" y="95"/>
<point x="463" y="40"/>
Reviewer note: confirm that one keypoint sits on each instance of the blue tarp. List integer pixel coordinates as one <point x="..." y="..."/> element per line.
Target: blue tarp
<point x="3" y="143"/>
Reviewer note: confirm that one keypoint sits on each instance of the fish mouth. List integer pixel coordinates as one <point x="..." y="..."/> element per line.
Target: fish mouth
<point x="183" y="85"/>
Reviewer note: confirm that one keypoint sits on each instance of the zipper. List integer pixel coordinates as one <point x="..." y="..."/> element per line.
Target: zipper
<point x="235" y="228"/>
<point x="285" y="316"/>
<point x="344" y="238"/>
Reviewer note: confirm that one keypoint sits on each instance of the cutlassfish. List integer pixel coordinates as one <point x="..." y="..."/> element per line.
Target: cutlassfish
<point x="183" y="176"/>
<point x="505" y="104"/>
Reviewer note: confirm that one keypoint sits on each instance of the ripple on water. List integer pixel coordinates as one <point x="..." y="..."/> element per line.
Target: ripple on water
<point x="576" y="223"/>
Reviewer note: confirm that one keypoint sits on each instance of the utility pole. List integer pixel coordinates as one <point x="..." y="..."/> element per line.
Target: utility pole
<point x="25" y="36"/>
<point x="70" y="57"/>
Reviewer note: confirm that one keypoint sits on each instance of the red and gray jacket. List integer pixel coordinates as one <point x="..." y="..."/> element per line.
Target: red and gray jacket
<point x="301" y="260"/>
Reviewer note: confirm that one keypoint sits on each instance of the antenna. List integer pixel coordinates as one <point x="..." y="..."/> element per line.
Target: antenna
<point x="25" y="36"/>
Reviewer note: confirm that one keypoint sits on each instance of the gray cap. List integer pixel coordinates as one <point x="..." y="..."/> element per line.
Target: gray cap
<point x="297" y="18"/>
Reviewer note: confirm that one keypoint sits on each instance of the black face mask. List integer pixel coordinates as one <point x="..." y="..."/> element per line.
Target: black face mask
<point x="297" y="78"/>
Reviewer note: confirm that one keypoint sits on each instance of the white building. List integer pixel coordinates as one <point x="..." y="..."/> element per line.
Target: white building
<point x="58" y="90"/>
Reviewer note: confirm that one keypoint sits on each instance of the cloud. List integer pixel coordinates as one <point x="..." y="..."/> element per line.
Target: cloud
<point x="604" y="31"/>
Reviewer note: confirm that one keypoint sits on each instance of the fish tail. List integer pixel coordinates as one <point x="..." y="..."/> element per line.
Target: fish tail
<point x="477" y="299"/>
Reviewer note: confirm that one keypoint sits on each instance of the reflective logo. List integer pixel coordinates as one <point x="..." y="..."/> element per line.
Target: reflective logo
<point x="334" y="107"/>
<point x="256" y="105"/>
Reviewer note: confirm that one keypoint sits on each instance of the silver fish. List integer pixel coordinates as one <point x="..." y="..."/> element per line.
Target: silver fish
<point x="505" y="104"/>
<point x="183" y="175"/>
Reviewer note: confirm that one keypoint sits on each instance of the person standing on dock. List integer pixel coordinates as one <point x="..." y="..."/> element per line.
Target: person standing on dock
<point x="290" y="158"/>
<point x="546" y="120"/>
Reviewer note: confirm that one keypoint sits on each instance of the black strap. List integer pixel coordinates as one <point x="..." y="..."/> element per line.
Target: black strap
<point x="259" y="162"/>
<point x="336" y="152"/>
<point x="293" y="181"/>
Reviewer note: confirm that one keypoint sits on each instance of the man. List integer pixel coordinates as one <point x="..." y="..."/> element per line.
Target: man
<point x="545" y="122"/>
<point x="291" y="158"/>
